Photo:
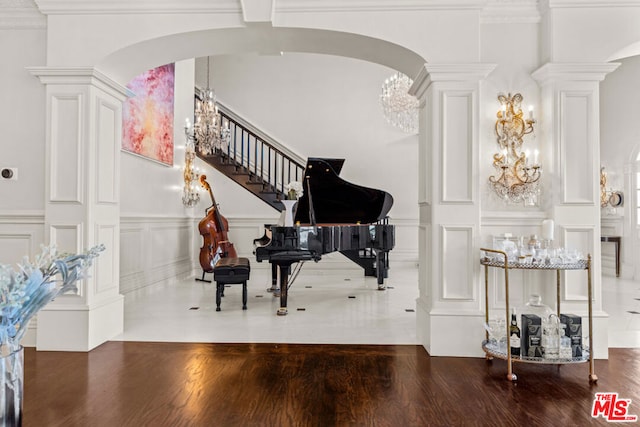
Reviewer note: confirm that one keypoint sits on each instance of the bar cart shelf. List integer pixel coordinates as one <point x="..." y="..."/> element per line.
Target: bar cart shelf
<point x="493" y="351"/>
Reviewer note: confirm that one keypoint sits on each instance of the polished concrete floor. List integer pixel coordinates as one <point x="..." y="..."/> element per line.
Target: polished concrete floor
<point x="333" y="306"/>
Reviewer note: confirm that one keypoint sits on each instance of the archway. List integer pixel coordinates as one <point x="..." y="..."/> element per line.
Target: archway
<point x="125" y="63"/>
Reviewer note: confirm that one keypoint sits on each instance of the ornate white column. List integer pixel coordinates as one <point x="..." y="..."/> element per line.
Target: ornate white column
<point x="449" y="308"/>
<point x="570" y="130"/>
<point x="84" y="130"/>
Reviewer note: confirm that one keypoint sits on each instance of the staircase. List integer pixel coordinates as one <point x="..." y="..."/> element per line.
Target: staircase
<point x="255" y="160"/>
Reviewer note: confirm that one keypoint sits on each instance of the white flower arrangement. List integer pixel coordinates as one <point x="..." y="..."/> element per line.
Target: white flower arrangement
<point x="294" y="190"/>
<point x="25" y="292"/>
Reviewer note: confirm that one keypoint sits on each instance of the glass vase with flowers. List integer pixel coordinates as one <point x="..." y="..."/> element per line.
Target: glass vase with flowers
<point x="24" y="292"/>
<point x="293" y="191"/>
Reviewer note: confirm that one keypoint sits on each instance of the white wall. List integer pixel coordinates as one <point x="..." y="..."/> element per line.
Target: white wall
<point x="620" y="127"/>
<point x="154" y="189"/>
<point x="324" y="106"/>
<point x="22" y="135"/>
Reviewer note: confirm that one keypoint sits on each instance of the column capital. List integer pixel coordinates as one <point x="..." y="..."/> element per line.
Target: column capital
<point x="573" y="71"/>
<point x="49" y="75"/>
<point x="430" y="73"/>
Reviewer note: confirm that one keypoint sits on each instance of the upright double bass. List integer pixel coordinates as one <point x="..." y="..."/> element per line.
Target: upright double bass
<point x="213" y="229"/>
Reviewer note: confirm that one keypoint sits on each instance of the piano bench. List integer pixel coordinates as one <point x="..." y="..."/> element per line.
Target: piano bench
<point x="231" y="271"/>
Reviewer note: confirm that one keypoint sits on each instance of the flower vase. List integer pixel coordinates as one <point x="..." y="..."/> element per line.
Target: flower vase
<point x="11" y="380"/>
<point x="288" y="212"/>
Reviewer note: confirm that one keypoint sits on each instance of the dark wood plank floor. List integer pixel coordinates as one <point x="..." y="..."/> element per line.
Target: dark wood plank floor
<point x="169" y="384"/>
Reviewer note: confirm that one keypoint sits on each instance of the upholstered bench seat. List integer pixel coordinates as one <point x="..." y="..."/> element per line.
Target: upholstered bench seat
<point x="231" y="271"/>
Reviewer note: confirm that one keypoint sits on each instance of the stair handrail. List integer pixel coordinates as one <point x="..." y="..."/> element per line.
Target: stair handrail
<point x="251" y="151"/>
<point x="223" y="108"/>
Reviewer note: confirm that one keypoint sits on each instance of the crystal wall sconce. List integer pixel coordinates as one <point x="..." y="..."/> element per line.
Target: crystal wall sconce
<point x="190" y="195"/>
<point x="517" y="176"/>
<point x="609" y="198"/>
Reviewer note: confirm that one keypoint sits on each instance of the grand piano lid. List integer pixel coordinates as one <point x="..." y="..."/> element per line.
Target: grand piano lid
<point x="336" y="201"/>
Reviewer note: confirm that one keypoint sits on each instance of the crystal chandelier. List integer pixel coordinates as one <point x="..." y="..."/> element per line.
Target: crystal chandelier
<point x="190" y="195"/>
<point x="208" y="132"/>
<point x="517" y="177"/>
<point x="399" y="108"/>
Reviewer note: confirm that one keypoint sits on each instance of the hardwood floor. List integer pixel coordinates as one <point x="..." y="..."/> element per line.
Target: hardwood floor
<point x="183" y="384"/>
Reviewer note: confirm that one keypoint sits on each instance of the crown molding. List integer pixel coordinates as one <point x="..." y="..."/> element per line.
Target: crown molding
<point x="80" y="75"/>
<point x="551" y="72"/>
<point x="20" y="15"/>
<point x="84" y="7"/>
<point x="590" y="3"/>
<point x="448" y="72"/>
<point x="318" y="6"/>
<point x="510" y="11"/>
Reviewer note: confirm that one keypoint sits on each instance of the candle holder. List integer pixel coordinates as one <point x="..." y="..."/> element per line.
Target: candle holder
<point x="548" y="228"/>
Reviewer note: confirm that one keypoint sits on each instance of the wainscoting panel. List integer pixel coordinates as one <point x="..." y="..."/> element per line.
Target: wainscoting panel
<point x="457" y="269"/>
<point x="578" y="238"/>
<point x="576" y="153"/>
<point x="154" y="250"/>
<point x="21" y="234"/>
<point x="132" y="266"/>
<point x="67" y="237"/>
<point x="107" y="131"/>
<point x="105" y="264"/>
<point x="66" y="150"/>
<point x="456" y="147"/>
<point x="14" y="244"/>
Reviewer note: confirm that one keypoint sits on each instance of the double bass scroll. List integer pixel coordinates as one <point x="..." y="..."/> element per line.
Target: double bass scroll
<point x="213" y="229"/>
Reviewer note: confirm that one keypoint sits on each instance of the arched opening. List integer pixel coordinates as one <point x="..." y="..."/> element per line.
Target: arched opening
<point x="128" y="62"/>
<point x="125" y="63"/>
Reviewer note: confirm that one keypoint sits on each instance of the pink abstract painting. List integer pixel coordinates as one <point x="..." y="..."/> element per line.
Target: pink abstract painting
<point x="147" y="120"/>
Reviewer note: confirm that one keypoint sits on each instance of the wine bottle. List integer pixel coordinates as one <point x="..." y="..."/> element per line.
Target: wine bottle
<point x="514" y="332"/>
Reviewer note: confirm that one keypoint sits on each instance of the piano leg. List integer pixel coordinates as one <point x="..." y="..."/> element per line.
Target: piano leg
<point x="274" y="280"/>
<point x="381" y="269"/>
<point x="285" y="270"/>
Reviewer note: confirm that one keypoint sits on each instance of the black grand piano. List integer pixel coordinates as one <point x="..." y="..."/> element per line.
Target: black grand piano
<point x="333" y="215"/>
